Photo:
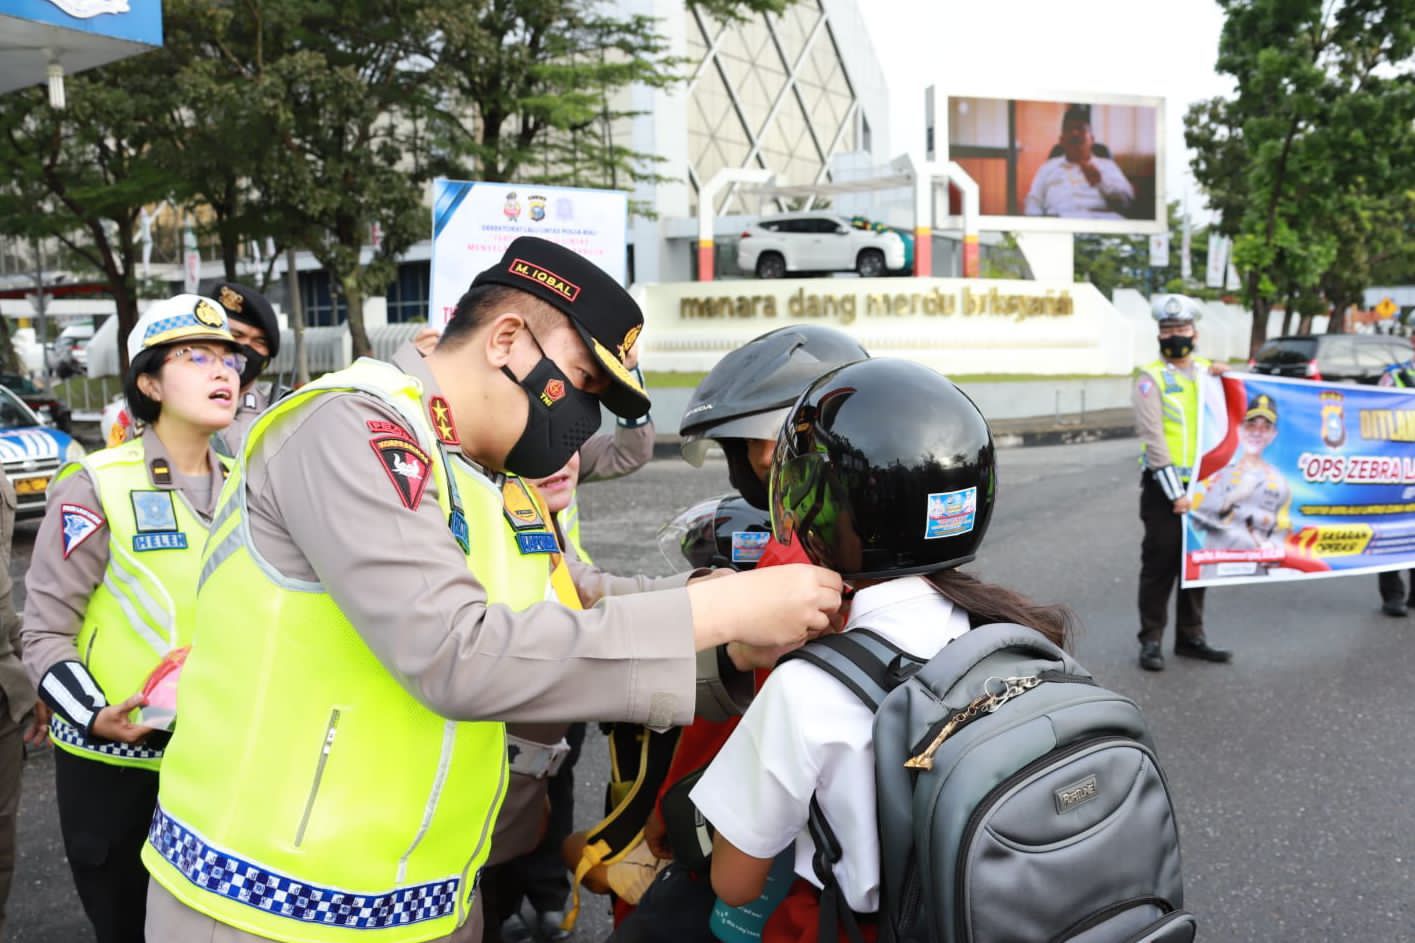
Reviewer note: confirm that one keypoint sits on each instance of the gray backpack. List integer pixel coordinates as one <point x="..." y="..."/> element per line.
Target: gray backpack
<point x="1018" y="800"/>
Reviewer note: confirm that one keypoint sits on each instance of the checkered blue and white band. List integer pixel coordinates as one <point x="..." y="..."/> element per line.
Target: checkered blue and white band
<point x="64" y="732"/>
<point x="222" y="873"/>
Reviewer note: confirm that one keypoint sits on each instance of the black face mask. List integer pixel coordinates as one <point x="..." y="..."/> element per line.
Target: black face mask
<point x="1176" y="346"/>
<point x="255" y="364"/>
<point x="561" y="418"/>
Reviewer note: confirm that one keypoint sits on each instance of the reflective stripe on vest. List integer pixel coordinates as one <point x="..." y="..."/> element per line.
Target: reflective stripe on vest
<point x="1179" y="407"/>
<point x="339" y="807"/>
<point x="144" y="607"/>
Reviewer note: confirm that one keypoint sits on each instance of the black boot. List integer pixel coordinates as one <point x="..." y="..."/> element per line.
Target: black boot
<point x="1200" y="648"/>
<point x="1151" y="657"/>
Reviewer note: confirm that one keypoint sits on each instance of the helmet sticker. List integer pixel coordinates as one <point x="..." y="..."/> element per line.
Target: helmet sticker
<point x="951" y="513"/>
<point x="748" y="546"/>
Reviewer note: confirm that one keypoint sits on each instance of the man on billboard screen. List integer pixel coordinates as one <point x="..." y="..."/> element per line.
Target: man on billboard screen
<point x="1081" y="181"/>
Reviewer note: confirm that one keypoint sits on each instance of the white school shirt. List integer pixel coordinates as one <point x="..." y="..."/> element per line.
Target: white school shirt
<point x="805" y="734"/>
<point x="1060" y="188"/>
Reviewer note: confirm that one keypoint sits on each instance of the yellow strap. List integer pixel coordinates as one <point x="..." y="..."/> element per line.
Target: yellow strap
<point x="591" y="858"/>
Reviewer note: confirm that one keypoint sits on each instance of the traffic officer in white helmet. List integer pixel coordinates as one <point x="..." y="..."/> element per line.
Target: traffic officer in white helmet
<point x="1166" y="399"/>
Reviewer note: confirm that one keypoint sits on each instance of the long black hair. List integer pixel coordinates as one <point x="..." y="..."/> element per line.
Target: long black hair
<point x="987" y="602"/>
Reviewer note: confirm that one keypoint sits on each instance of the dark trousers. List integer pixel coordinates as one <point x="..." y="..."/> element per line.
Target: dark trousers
<point x="1160" y="563"/>
<point x="12" y="761"/>
<point x="104" y="814"/>
<point x="540" y="875"/>
<point x="1393" y="588"/>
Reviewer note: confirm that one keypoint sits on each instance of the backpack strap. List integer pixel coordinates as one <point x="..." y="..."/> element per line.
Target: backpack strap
<point x="865" y="662"/>
<point x="833" y="913"/>
<point x="869" y="666"/>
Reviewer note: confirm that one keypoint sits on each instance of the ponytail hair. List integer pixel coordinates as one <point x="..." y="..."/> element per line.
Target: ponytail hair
<point x="985" y="603"/>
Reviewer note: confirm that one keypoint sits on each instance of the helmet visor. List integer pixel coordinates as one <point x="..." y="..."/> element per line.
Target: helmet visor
<point x="765" y="425"/>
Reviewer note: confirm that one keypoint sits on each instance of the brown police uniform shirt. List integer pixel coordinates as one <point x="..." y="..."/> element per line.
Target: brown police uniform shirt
<point x="322" y="507"/>
<point x="14" y="684"/>
<point x="607" y="456"/>
<point x="58" y="589"/>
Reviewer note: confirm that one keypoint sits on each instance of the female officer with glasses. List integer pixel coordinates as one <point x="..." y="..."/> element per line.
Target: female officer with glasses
<point x="110" y="591"/>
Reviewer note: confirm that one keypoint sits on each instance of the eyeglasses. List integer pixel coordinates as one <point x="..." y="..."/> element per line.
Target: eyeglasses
<point x="202" y="357"/>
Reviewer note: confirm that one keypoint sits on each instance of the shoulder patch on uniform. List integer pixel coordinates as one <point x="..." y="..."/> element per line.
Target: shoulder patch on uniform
<point x="407" y="466"/>
<point x="384" y="427"/>
<point x="1146" y="385"/>
<point x="80" y="524"/>
<point x="441" y="414"/>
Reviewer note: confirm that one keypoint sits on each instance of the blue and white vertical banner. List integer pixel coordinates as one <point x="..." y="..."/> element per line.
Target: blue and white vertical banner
<point x="473" y="223"/>
<point x="1299" y="480"/>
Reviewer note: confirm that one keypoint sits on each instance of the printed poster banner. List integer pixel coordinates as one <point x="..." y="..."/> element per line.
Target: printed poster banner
<point x="473" y="223"/>
<point x="1300" y="480"/>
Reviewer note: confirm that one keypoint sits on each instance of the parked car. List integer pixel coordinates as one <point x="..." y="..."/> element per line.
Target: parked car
<point x="31" y="452"/>
<point x="806" y="243"/>
<point x="51" y="411"/>
<point x="68" y="357"/>
<point x="1355" y="358"/>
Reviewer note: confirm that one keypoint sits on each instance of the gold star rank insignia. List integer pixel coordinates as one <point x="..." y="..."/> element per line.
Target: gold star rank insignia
<point x="442" y="423"/>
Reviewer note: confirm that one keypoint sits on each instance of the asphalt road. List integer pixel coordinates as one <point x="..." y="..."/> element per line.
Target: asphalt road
<point x="1292" y="768"/>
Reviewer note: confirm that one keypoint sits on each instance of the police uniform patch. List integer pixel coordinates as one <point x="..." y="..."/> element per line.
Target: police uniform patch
<point x="161" y="472"/>
<point x="1146" y="385"/>
<point x="168" y="540"/>
<point x="442" y="423"/>
<point x="521" y="510"/>
<point x="541" y="542"/>
<point x="407" y="466"/>
<point x="80" y="524"/>
<point x="154" y="512"/>
<point x="383" y="427"/>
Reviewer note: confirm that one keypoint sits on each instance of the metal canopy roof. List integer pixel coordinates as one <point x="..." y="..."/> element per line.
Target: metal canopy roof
<point x="77" y="34"/>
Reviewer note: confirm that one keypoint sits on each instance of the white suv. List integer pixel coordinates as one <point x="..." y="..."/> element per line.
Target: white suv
<point x="817" y="242"/>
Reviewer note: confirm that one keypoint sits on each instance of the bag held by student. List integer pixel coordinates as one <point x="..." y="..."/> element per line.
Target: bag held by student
<point x="1019" y="801"/>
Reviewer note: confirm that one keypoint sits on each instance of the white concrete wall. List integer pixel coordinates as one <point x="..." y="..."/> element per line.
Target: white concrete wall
<point x="690" y="325"/>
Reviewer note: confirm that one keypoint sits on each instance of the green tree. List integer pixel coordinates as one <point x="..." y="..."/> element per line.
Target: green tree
<point x="1320" y="126"/>
<point x="82" y="175"/>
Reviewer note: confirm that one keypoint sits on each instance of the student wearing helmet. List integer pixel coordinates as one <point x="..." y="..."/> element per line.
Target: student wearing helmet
<point x="111" y="589"/>
<point x="739" y="406"/>
<point x="257" y="332"/>
<point x="885" y="473"/>
<point x="1166" y="399"/>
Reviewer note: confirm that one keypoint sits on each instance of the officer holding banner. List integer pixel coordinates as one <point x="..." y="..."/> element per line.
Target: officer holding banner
<point x="1166" y="400"/>
<point x="380" y="586"/>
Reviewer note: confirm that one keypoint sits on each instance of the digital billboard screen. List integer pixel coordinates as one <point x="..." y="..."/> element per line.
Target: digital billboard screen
<point x="1083" y="164"/>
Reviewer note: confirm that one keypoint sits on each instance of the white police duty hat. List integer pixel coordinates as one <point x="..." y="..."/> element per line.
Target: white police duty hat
<point x="1176" y="308"/>
<point x="181" y="318"/>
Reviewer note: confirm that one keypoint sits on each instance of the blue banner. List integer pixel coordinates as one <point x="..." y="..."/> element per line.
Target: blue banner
<point x="138" y="21"/>
<point x="1299" y="480"/>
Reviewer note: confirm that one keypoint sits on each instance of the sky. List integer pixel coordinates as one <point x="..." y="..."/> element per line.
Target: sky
<point x="1024" y="48"/>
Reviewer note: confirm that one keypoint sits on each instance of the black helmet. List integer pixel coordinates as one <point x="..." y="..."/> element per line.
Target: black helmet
<point x="747" y="395"/>
<point x="724" y="531"/>
<point x="884" y="469"/>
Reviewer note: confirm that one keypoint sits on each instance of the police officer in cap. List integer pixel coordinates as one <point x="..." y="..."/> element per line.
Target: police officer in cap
<point x="1166" y="399"/>
<point x="379" y="591"/>
<point x="257" y="332"/>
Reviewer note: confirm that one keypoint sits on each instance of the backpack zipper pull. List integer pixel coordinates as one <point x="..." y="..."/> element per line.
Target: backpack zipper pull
<point x="985" y="703"/>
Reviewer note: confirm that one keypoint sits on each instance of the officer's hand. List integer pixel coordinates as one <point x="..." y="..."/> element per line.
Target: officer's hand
<point x="1218" y="369"/>
<point x="773" y="607"/>
<point x="1182" y="505"/>
<point x="38" y="730"/>
<point x="1092" y="172"/>
<point x="112" y="722"/>
<point x="746" y="657"/>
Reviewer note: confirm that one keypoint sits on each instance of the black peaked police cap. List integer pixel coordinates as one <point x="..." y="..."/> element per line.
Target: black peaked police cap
<point x="243" y="303"/>
<point x="608" y="319"/>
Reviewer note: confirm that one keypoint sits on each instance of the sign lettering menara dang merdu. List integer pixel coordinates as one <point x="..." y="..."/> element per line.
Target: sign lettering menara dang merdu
<point x="846" y="305"/>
